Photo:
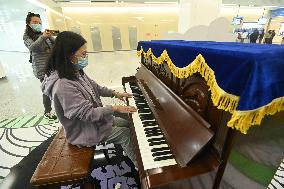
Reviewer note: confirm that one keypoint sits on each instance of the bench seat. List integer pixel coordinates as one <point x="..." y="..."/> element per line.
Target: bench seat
<point x="63" y="163"/>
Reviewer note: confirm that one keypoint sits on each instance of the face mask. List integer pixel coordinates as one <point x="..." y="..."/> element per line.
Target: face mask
<point x="82" y="63"/>
<point x="37" y="27"/>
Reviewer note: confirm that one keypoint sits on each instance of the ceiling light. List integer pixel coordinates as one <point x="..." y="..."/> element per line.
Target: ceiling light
<point x="146" y="9"/>
<point x="269" y="6"/>
<point x="160" y="2"/>
<point x="230" y="4"/>
<point x="79" y="1"/>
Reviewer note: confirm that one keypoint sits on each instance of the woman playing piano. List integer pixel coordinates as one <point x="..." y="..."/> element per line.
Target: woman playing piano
<point x="77" y="100"/>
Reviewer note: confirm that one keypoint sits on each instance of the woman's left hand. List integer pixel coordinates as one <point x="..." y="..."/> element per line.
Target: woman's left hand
<point x="121" y="96"/>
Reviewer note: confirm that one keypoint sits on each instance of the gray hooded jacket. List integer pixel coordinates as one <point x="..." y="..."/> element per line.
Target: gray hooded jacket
<point x="39" y="52"/>
<point x="79" y="108"/>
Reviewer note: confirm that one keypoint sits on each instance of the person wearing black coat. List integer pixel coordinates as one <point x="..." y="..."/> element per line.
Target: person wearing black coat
<point x="254" y="36"/>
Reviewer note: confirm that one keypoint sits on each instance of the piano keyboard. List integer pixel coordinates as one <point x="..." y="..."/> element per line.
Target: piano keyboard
<point x="278" y="180"/>
<point x="154" y="150"/>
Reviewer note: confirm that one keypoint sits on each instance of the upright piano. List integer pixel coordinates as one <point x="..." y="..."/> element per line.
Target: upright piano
<point x="177" y="132"/>
<point x="189" y="95"/>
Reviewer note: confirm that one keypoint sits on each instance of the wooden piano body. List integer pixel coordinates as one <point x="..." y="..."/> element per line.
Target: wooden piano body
<point x="191" y="95"/>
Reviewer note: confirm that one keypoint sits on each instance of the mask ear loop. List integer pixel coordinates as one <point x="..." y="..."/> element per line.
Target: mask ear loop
<point x="72" y="57"/>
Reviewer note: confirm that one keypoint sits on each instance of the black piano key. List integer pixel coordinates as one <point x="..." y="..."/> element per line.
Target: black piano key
<point x="148" y="126"/>
<point x="137" y="95"/>
<point x="142" y="111"/>
<point x="134" y="87"/>
<point x="153" y="132"/>
<point x="163" y="153"/>
<point x="147" y="117"/>
<point x="163" y="158"/>
<point x="141" y="107"/>
<point x="149" y="123"/>
<point x="141" y="101"/>
<point x="148" y="135"/>
<point x="152" y="129"/>
<point x="157" y="143"/>
<point x="162" y="140"/>
<point x="160" y="149"/>
<point x="156" y="139"/>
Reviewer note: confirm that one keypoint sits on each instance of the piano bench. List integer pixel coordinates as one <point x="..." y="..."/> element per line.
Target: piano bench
<point x="63" y="164"/>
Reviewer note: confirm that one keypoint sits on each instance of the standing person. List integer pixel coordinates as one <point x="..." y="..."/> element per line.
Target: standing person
<point x="282" y="41"/>
<point x="40" y="45"/>
<point x="244" y="36"/>
<point x="267" y="37"/>
<point x="253" y="37"/>
<point x="77" y="100"/>
<point x="261" y="35"/>
<point x="272" y="36"/>
<point x="239" y="37"/>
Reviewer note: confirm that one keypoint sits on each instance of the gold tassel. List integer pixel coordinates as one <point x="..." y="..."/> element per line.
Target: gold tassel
<point x="240" y="120"/>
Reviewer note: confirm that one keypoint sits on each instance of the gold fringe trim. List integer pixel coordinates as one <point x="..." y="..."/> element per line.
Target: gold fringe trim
<point x="243" y="120"/>
<point x="240" y="120"/>
<point x="220" y="98"/>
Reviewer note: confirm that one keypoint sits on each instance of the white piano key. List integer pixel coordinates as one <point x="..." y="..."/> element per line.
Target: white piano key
<point x="145" y="148"/>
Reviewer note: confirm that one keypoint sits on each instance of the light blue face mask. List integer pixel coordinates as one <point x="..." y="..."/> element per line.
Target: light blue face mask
<point x="37" y="27"/>
<point x="82" y="63"/>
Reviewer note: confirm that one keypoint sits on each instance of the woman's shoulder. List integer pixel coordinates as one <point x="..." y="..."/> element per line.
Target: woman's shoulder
<point x="66" y="82"/>
<point x="26" y="36"/>
<point x="64" y="86"/>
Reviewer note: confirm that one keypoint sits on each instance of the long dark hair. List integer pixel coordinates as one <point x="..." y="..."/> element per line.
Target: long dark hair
<point x="29" y="31"/>
<point x="66" y="44"/>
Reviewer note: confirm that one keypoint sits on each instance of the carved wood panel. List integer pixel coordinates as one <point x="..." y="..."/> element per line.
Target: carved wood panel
<point x="195" y="93"/>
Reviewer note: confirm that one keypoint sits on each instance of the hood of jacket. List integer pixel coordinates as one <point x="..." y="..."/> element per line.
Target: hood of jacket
<point x="48" y="83"/>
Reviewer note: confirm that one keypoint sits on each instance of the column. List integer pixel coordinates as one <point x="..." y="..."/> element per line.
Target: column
<point x="197" y="12"/>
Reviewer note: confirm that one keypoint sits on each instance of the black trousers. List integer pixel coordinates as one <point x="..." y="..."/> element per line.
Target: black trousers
<point x="46" y="101"/>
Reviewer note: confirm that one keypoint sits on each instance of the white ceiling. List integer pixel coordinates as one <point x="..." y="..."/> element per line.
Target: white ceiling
<point x="12" y="10"/>
<point x="255" y="2"/>
<point x="126" y="1"/>
<point x="237" y="2"/>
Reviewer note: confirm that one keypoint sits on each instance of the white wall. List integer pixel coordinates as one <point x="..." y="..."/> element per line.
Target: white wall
<point x="197" y="12"/>
<point x="13" y="24"/>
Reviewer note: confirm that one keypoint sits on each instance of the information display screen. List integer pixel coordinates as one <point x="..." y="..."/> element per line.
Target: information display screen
<point x="262" y="21"/>
<point x="237" y="20"/>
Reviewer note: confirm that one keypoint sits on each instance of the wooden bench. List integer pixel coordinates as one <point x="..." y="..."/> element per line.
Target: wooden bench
<point x="63" y="164"/>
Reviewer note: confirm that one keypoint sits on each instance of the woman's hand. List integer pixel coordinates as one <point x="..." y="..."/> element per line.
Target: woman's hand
<point x="121" y="96"/>
<point x="124" y="109"/>
<point x="46" y="34"/>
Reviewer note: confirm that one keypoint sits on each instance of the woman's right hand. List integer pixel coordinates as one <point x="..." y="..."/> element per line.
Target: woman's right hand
<point x="124" y="109"/>
<point x="46" y="34"/>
